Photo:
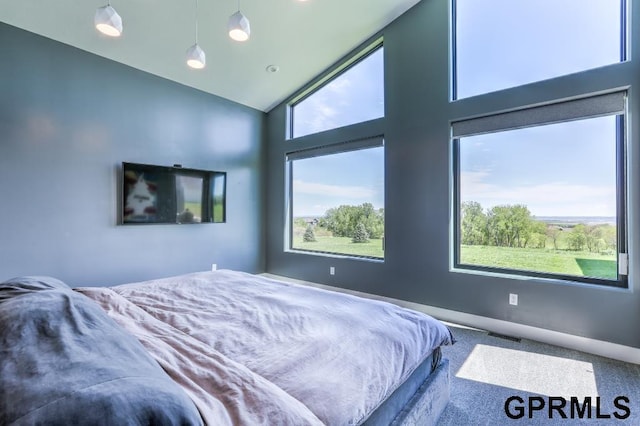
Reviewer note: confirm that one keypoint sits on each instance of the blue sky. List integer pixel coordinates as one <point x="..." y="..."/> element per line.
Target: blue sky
<point x="354" y="96"/>
<point x="350" y="178"/>
<point x="506" y="43"/>
<point x="558" y="170"/>
<point x="565" y="169"/>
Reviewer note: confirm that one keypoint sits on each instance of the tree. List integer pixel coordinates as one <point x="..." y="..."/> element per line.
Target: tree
<point x="309" y="235"/>
<point x="499" y="226"/>
<point x="538" y="234"/>
<point x="610" y="237"/>
<point x="509" y="225"/>
<point x="577" y="237"/>
<point x="522" y="225"/>
<point x="342" y="221"/>
<point x="473" y="223"/>
<point x="553" y="232"/>
<point x="360" y="235"/>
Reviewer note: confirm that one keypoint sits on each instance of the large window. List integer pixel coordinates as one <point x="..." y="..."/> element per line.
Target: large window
<point x="505" y="43"/>
<point x="337" y="199"/>
<point x="355" y="93"/>
<point x="540" y="191"/>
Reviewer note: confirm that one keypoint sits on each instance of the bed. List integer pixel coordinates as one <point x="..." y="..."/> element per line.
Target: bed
<point x="217" y="348"/>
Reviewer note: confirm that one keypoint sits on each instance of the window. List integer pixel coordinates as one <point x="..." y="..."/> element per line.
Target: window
<point x="540" y="191"/>
<point x="355" y="95"/>
<point x="189" y="198"/>
<point x="337" y="199"/>
<point x="504" y="43"/>
<point x="217" y="197"/>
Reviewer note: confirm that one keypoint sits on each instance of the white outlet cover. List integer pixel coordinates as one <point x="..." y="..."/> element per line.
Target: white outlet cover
<point x="513" y="299"/>
<point x="332" y="270"/>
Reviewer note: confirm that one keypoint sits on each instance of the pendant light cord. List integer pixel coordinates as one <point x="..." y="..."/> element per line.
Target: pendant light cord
<point x="196" y="21"/>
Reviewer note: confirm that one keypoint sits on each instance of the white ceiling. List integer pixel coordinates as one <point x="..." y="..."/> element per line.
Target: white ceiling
<point x="301" y="37"/>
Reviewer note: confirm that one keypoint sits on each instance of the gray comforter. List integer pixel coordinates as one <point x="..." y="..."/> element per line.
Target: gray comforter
<point x="63" y="361"/>
<point x="338" y="355"/>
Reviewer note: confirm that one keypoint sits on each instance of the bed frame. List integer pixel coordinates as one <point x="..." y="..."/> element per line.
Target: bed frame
<point x="420" y="400"/>
<point x="428" y="403"/>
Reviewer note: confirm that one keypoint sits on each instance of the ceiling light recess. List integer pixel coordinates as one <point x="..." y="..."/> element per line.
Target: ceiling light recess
<point x="107" y="21"/>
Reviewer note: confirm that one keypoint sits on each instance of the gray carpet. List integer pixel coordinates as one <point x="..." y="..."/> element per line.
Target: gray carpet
<point x="487" y="370"/>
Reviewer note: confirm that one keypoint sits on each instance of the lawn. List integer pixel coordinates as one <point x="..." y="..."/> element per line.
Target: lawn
<point x="327" y="243"/>
<point x="340" y="245"/>
<point x="581" y="263"/>
<point x="565" y="262"/>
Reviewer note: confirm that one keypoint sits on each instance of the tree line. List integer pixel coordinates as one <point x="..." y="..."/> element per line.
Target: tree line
<point x="360" y="223"/>
<point x="514" y="226"/>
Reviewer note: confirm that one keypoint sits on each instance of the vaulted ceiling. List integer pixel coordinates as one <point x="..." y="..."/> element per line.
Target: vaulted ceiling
<point x="302" y="38"/>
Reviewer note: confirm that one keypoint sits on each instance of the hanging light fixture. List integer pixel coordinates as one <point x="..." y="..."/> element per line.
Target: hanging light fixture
<point x="107" y="21"/>
<point x="195" y="55"/>
<point x="239" y="28"/>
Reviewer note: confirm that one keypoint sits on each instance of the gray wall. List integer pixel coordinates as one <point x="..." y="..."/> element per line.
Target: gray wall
<point x="67" y="120"/>
<point x="416" y="128"/>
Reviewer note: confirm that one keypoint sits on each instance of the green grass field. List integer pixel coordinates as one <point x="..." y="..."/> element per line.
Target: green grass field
<point x="341" y="245"/>
<point x="196" y="209"/>
<point x="565" y="262"/>
<point x="581" y="263"/>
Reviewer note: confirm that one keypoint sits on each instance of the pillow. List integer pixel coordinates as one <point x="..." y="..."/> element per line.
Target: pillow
<point x="24" y="285"/>
<point x="64" y="361"/>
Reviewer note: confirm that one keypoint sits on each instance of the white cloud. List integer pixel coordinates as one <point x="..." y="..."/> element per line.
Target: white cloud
<point x="321" y="106"/>
<point x="544" y="199"/>
<point x="342" y="191"/>
<point x="322" y="117"/>
<point x="339" y="85"/>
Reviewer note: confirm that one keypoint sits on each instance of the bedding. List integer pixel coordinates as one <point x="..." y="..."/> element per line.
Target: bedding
<point x="63" y="361"/>
<point x="339" y="355"/>
<point x="220" y="347"/>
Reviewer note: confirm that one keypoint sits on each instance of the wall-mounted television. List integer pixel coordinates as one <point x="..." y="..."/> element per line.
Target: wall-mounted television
<point x="162" y="194"/>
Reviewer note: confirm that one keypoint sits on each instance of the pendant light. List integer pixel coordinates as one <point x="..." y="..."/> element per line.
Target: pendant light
<point x="195" y="55"/>
<point x="239" y="28"/>
<point x="107" y="21"/>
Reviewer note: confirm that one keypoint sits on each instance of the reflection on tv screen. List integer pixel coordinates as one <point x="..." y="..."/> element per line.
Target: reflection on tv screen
<point x="160" y="194"/>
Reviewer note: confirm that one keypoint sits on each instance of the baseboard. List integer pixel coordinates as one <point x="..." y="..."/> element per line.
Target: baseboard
<point x="569" y="341"/>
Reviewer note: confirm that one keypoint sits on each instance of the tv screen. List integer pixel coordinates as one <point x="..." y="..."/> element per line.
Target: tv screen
<point x="161" y="194"/>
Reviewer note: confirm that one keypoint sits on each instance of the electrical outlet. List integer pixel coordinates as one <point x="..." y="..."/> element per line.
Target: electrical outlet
<point x="332" y="270"/>
<point x="513" y="299"/>
<point x="214" y="266"/>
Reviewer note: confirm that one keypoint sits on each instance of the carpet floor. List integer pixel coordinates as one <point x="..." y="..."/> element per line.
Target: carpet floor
<point x="493" y="376"/>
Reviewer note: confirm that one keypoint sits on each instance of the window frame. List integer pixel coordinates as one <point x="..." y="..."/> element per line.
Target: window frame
<point x="453" y="83"/>
<point x="335" y="71"/>
<point x="563" y="111"/>
<point x="321" y="151"/>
